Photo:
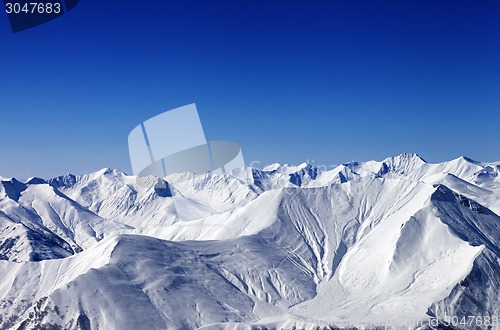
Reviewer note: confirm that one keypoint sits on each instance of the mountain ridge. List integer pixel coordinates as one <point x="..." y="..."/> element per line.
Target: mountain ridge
<point x="385" y="241"/>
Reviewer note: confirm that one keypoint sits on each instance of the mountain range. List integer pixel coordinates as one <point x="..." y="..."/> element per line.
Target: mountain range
<point x="398" y="243"/>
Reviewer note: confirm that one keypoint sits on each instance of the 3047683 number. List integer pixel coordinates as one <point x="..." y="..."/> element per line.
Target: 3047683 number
<point x="33" y="8"/>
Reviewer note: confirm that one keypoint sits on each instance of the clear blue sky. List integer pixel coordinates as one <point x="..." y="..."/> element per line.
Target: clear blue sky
<point x="324" y="81"/>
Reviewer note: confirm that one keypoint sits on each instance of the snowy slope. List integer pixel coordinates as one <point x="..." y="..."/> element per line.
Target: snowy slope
<point x="278" y="247"/>
<point x="37" y="222"/>
<point x="480" y="181"/>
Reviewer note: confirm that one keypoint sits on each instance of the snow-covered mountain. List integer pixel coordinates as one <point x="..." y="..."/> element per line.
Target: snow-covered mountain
<point x="365" y="244"/>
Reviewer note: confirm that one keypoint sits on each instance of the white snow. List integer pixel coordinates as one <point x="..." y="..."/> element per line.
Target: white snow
<point x="283" y="246"/>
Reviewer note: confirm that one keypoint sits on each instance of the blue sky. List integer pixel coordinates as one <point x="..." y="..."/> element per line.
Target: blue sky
<point x="324" y="81"/>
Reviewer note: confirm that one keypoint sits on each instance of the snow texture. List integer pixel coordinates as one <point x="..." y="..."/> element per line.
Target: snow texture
<point x="388" y="241"/>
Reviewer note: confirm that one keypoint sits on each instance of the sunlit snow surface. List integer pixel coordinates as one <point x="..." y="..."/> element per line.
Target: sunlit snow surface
<point x="280" y="247"/>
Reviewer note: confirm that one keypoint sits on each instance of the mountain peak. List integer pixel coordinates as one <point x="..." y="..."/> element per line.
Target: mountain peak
<point x="12" y="188"/>
<point x="106" y="171"/>
<point x="466" y="159"/>
<point x="408" y="157"/>
<point x="35" y="180"/>
<point x="272" y="167"/>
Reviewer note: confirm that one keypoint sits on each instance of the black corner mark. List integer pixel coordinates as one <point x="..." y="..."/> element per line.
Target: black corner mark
<point x="70" y="4"/>
<point x="25" y="14"/>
